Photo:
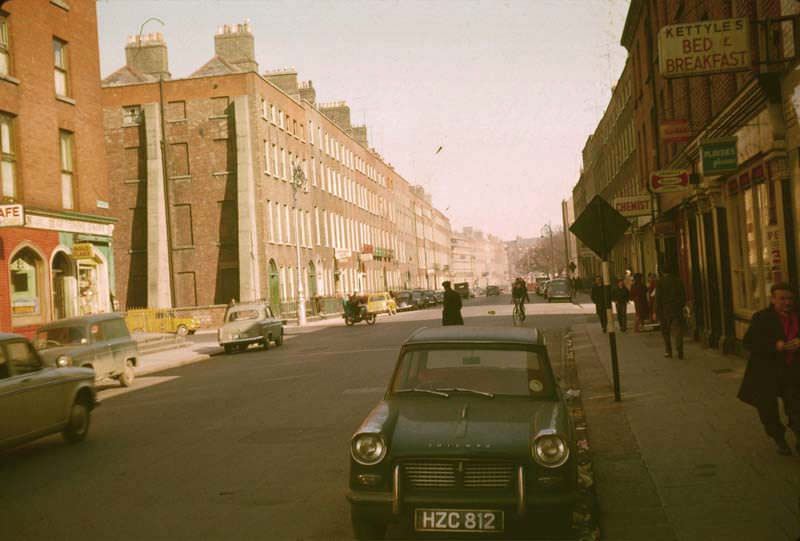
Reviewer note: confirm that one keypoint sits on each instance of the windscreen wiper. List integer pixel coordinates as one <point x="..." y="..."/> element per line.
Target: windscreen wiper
<point x="438" y="392"/>
<point x="463" y="390"/>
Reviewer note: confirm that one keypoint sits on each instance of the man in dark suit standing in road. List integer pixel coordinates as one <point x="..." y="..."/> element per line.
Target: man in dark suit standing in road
<point x="773" y="369"/>
<point x="451" y="306"/>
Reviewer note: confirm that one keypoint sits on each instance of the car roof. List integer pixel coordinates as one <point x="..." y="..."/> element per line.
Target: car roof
<point x="247" y="305"/>
<point x="82" y="320"/>
<point x="10" y="336"/>
<point x="467" y="334"/>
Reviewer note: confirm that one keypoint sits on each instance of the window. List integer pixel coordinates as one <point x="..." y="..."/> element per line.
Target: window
<point x="8" y="163"/>
<point x="22" y="358"/>
<point x="25" y="272"/>
<point x="131" y="115"/>
<point x="272" y="114"/>
<point x="284" y="169"/>
<point x="219" y="106"/>
<point x="67" y="181"/>
<point x="60" y="66"/>
<point x="275" y="160"/>
<point x="183" y="234"/>
<point x="179" y="157"/>
<point x="5" y="54"/>
<point x="266" y="157"/>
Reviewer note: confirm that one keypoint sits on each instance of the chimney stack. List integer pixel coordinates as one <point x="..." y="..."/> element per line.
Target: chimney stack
<point x="147" y="53"/>
<point x="285" y="79"/>
<point x="339" y="113"/>
<point x="360" y="135"/>
<point x="307" y="92"/>
<point x="234" y="43"/>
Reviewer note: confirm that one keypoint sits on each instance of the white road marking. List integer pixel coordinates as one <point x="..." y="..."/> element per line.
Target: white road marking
<point x="139" y="383"/>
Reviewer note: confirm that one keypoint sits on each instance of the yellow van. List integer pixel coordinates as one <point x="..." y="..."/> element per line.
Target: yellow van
<point x="160" y="320"/>
<point x="381" y="303"/>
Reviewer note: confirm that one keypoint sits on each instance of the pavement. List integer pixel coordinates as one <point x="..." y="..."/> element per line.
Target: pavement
<point x="680" y="457"/>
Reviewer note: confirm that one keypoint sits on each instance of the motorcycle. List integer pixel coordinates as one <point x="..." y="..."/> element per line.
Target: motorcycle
<point x="355" y="316"/>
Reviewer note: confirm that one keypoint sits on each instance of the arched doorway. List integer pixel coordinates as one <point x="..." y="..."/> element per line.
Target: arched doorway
<point x="27" y="285"/>
<point x="65" y="287"/>
<point x="274" y="287"/>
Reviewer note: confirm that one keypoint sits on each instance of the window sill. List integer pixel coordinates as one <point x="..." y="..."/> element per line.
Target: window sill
<point x="9" y="79"/>
<point x="132" y="181"/>
<point x="220" y="174"/>
<point x="181" y="178"/>
<point x="217" y="117"/>
<point x="177" y="121"/>
<point x="60" y="4"/>
<point x="132" y="125"/>
<point x="183" y="248"/>
<point x="66" y="99"/>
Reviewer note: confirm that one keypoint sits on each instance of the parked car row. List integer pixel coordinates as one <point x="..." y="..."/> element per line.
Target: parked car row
<point x="417" y="299"/>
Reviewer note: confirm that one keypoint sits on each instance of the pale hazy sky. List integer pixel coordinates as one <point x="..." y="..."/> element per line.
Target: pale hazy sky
<point x="510" y="89"/>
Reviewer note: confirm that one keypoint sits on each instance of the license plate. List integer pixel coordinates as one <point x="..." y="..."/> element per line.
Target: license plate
<point x="458" y="520"/>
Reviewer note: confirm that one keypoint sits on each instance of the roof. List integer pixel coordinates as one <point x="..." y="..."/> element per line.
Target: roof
<point x="82" y="320"/>
<point x="127" y="75"/>
<point x="467" y="333"/>
<point x="215" y="66"/>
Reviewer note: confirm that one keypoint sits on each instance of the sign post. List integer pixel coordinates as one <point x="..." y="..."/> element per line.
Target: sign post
<point x="600" y="227"/>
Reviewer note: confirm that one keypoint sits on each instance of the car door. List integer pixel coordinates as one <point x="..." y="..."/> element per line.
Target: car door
<point x="114" y="333"/>
<point x="274" y="325"/>
<point x="42" y="403"/>
<point x="12" y="424"/>
<point x="100" y="351"/>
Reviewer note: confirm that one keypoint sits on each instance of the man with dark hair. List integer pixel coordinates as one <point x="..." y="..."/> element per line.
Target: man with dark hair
<point x="601" y="297"/>
<point x="451" y="306"/>
<point x="670" y="300"/>
<point x="773" y="369"/>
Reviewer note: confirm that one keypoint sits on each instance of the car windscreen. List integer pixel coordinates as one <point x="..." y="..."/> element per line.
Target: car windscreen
<point x="243" y="315"/>
<point x="60" y="336"/>
<point x="487" y="368"/>
<point x="402" y="296"/>
<point x="560" y="287"/>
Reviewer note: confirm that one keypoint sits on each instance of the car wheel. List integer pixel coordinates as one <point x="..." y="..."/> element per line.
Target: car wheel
<point x="366" y="529"/>
<point x="371" y="319"/>
<point x="128" y="375"/>
<point x="182" y="330"/>
<point x="228" y="349"/>
<point x="78" y="422"/>
<point x="279" y="338"/>
<point x="265" y="342"/>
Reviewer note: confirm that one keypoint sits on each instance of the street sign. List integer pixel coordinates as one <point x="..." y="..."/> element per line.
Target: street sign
<point x="12" y="215"/>
<point x="637" y="205"/>
<point x="704" y="47"/>
<point x="599" y="226"/>
<point x="719" y="156"/>
<point x="669" y="181"/>
<point x="675" y="131"/>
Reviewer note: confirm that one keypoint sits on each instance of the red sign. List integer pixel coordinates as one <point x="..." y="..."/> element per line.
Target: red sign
<point x="669" y="181"/>
<point x="675" y="131"/>
<point x="367" y="249"/>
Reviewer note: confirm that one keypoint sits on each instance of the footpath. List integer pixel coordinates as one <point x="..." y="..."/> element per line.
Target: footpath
<point x="680" y="458"/>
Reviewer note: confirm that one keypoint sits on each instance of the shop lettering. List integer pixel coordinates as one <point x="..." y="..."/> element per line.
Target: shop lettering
<point x="710" y="62"/>
<point x="711" y="27"/>
<point x="633" y="205"/>
<point x="10" y="212"/>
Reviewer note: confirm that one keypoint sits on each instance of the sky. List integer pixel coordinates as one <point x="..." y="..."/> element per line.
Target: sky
<point x="509" y="89"/>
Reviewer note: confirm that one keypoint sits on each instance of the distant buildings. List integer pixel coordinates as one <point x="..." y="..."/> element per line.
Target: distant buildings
<point x="479" y="259"/>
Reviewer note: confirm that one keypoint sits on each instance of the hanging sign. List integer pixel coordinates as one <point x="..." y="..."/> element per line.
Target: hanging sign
<point x="704" y="47"/>
<point x="669" y="181"/>
<point x="719" y="156"/>
<point x="83" y="250"/>
<point x="675" y="131"/>
<point x="639" y="205"/>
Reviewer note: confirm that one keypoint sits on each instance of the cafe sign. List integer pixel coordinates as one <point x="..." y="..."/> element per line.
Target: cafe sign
<point x="704" y="47"/>
<point x="12" y="216"/>
<point x="630" y="207"/>
<point x="719" y="156"/>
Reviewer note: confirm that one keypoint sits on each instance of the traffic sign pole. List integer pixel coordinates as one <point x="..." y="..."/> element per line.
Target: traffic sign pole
<point x="612" y="335"/>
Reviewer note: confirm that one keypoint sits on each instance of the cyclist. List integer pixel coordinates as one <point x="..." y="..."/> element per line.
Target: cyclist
<point x="519" y="294"/>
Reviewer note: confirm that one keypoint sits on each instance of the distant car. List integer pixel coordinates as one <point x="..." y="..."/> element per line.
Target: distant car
<point x="101" y="342"/>
<point x="559" y="289"/>
<point x="161" y="320"/>
<point x="492" y="291"/>
<point x="472" y="436"/>
<point x="37" y="400"/>
<point x="439" y="296"/>
<point x="405" y="301"/>
<point x="250" y="323"/>
<point x="541" y="282"/>
<point x="462" y="288"/>
<point x="419" y="298"/>
<point x="381" y="303"/>
<point x="430" y="296"/>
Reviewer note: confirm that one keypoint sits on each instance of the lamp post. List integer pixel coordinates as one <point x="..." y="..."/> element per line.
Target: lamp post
<point x="552" y="249"/>
<point x="298" y="183"/>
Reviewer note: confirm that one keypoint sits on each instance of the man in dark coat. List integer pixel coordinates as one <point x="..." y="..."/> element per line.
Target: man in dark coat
<point x="621" y="298"/>
<point x="670" y="300"/>
<point x="451" y="306"/>
<point x="773" y="369"/>
<point x="601" y="303"/>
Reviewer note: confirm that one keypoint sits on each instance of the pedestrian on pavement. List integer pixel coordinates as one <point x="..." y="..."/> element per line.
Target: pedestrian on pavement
<point x="451" y="306"/>
<point x="670" y="299"/>
<point x="652" y="280"/>
<point x="639" y="298"/>
<point x="601" y="297"/>
<point x="773" y="369"/>
<point x="621" y="297"/>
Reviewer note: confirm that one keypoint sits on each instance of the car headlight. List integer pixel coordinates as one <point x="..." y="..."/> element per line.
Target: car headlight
<point x="550" y="450"/>
<point x="368" y="449"/>
<point x="63" y="360"/>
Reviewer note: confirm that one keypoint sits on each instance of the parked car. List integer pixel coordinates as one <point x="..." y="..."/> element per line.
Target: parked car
<point x="250" y="323"/>
<point x="37" y="400"/>
<point x="492" y="291"/>
<point x="101" y="342"/>
<point x="439" y="294"/>
<point x="381" y="303"/>
<point x="160" y="320"/>
<point x="419" y="299"/>
<point x="472" y="435"/>
<point x="430" y="296"/>
<point x="559" y="289"/>
<point x="541" y="281"/>
<point x="405" y="301"/>
<point x="462" y="288"/>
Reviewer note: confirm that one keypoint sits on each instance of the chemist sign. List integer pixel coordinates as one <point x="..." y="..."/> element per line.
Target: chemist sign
<point x="704" y="47"/>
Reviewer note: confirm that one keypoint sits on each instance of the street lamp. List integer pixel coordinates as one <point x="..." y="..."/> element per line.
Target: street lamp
<point x="549" y="229"/>
<point x="298" y="183"/>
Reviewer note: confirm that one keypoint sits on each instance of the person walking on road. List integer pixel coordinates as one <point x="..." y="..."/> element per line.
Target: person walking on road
<point x="639" y="298"/>
<point x="451" y="306"/>
<point x="601" y="302"/>
<point x="773" y="369"/>
<point x="621" y="297"/>
<point x="669" y="300"/>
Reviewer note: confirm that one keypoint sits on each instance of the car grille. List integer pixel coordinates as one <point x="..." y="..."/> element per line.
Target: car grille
<point x="458" y="474"/>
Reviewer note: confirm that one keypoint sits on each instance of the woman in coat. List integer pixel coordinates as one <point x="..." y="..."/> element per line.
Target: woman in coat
<point x="639" y="298"/>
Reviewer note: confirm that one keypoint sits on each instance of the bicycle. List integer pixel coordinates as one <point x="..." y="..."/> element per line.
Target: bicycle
<point x="518" y="315"/>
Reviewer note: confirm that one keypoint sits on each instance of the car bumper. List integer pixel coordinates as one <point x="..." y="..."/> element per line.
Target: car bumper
<point x="242" y="341"/>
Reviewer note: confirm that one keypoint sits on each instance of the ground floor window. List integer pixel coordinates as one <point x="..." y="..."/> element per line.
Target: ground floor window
<point x="26" y="283"/>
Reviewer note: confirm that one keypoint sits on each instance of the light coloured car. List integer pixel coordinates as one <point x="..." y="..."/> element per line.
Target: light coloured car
<point x="37" y="400"/>
<point x="101" y="342"/>
<point x="381" y="303"/>
<point x="250" y="323"/>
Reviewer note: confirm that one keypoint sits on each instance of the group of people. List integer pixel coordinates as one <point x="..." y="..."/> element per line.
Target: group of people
<point x="660" y="299"/>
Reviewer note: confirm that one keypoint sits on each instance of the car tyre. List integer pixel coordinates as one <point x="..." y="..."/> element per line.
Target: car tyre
<point x="182" y="330"/>
<point x="365" y="529"/>
<point x="279" y="338"/>
<point x="78" y="422"/>
<point x="228" y="349"/>
<point x="128" y="375"/>
<point x="265" y="342"/>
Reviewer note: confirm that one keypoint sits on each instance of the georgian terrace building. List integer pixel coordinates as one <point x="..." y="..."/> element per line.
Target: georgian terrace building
<point x="204" y="196"/>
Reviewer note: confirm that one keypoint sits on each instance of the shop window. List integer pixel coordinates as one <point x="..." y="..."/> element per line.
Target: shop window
<point x="26" y="285"/>
<point x="8" y="159"/>
<point x="89" y="299"/>
<point x="60" y="67"/>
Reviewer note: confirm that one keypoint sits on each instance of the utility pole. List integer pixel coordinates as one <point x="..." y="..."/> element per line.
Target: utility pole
<point x="298" y="183"/>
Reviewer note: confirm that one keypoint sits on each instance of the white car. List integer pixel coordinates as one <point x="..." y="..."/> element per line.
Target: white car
<point x="37" y="400"/>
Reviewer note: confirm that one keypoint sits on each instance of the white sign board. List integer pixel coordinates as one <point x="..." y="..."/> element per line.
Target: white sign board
<point x="638" y="205"/>
<point x="12" y="215"/>
<point x="704" y="47"/>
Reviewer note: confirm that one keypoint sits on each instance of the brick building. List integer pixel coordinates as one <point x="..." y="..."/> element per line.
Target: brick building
<point x="55" y="241"/>
<point x="224" y="220"/>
